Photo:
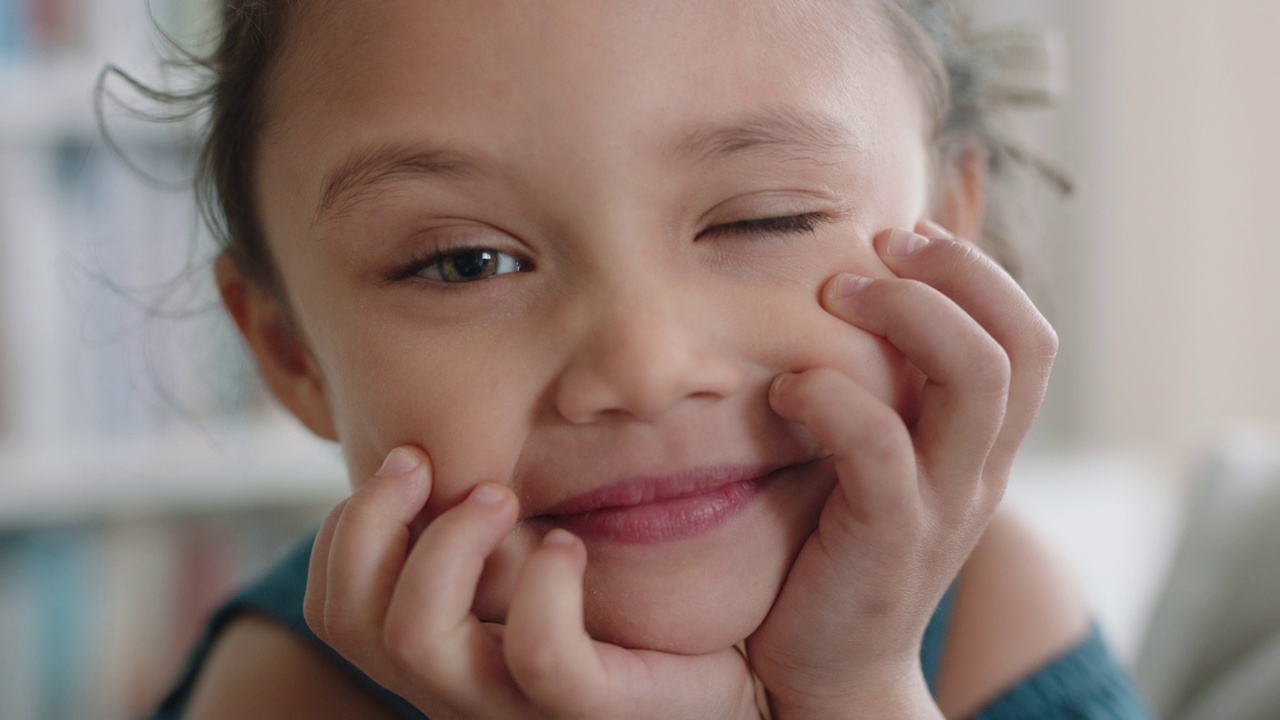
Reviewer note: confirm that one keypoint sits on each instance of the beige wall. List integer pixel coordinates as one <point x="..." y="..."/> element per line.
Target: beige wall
<point x="1167" y="263"/>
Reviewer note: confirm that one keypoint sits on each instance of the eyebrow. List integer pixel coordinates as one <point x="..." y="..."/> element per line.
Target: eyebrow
<point x="365" y="170"/>
<point x="784" y="134"/>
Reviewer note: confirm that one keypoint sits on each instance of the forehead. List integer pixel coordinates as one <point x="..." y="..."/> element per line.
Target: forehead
<point x="543" y="80"/>
<point x="323" y="34"/>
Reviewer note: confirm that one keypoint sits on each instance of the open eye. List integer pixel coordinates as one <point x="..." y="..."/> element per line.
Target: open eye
<point x="786" y="225"/>
<point x="467" y="265"/>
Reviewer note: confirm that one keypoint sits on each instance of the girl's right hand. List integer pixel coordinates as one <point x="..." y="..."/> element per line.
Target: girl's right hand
<point x="400" y="610"/>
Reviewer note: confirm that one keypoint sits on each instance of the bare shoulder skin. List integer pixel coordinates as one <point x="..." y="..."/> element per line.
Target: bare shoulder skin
<point x="259" y="669"/>
<point x="1016" y="608"/>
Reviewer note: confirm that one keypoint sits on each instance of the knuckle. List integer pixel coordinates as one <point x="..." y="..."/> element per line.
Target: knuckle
<point x="993" y="370"/>
<point x="364" y="500"/>
<point x="450" y="532"/>
<point x="968" y="487"/>
<point x="397" y="639"/>
<point x="536" y="659"/>
<point x="1043" y="341"/>
<point x="544" y="665"/>
<point x="406" y="649"/>
<point x="913" y="287"/>
<point x="881" y="439"/>
<point x="915" y="527"/>
<point x="992" y="494"/>
<point x="360" y="514"/>
<point x="546" y="668"/>
<point x="313" y="614"/>
<point x="964" y="257"/>
<point x="334" y="515"/>
<point x="338" y="631"/>
<point x="914" y="293"/>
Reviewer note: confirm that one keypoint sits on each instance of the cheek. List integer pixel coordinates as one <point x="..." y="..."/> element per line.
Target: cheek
<point x="792" y="332"/>
<point x="817" y="339"/>
<point x="463" y="408"/>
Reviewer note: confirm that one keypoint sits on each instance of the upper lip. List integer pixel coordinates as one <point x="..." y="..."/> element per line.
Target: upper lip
<point x="644" y="489"/>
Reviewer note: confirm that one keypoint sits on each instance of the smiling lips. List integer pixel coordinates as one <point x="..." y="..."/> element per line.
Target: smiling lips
<point x="648" y="510"/>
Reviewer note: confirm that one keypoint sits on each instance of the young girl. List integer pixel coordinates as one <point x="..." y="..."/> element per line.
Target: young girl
<point x="667" y="384"/>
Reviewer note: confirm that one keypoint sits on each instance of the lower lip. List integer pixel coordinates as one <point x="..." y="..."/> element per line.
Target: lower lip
<point x="663" y="520"/>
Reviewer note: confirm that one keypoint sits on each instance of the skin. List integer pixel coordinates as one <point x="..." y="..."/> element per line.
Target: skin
<point x="645" y="334"/>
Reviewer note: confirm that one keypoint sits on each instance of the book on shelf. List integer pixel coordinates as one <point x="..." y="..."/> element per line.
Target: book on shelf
<point x="35" y="30"/>
<point x="97" y="620"/>
<point x="108" y="320"/>
<point x="117" y="324"/>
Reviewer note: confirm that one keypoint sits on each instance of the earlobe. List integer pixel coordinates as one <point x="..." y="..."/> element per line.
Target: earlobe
<point x="962" y="193"/>
<point x="282" y="355"/>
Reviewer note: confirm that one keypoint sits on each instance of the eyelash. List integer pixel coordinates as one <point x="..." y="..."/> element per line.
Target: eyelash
<point x="784" y="225"/>
<point x="437" y="255"/>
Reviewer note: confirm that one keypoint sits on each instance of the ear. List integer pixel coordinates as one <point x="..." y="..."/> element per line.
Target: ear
<point x="962" y="192"/>
<point x="282" y="356"/>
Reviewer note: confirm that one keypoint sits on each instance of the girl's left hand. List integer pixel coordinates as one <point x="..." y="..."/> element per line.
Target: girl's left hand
<point x="911" y="501"/>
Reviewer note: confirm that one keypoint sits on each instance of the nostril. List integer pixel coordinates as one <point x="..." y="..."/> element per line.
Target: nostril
<point x="589" y="391"/>
<point x="637" y="359"/>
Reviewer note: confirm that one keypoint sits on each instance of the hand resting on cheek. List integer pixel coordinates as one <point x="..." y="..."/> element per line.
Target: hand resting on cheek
<point x="912" y="500"/>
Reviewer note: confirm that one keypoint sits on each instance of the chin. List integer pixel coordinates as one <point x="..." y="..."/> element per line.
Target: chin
<point x="690" y="607"/>
<point x="693" y="601"/>
<point x="708" y="624"/>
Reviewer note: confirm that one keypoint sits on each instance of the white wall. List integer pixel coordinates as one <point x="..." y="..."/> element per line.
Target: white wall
<point x="1164" y="271"/>
<point x="1190" y="282"/>
<point x="1166" y="264"/>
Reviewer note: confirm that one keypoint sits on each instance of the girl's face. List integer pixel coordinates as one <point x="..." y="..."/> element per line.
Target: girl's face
<point x="566" y="245"/>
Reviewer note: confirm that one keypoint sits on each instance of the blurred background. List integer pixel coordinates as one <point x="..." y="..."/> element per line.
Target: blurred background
<point x="143" y="474"/>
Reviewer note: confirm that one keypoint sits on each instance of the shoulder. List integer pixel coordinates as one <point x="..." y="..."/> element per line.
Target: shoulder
<point x="260" y="669"/>
<point x="1016" y="608"/>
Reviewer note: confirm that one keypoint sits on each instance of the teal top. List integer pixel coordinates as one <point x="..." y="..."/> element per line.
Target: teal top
<point x="1085" y="683"/>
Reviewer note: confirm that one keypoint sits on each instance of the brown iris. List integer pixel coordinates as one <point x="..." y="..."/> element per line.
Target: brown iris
<point x="469" y="265"/>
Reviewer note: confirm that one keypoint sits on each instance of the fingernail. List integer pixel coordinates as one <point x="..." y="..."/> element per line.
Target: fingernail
<point x="936" y="231"/>
<point x="848" y="284"/>
<point x="398" y="462"/>
<point x="559" y="536"/>
<point x="486" y="494"/>
<point x="779" y="383"/>
<point x="905" y="242"/>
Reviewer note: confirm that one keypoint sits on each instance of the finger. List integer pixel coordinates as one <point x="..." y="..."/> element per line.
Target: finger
<point x="429" y="625"/>
<point x="370" y="542"/>
<point x="663" y="685"/>
<point x="313" y="602"/>
<point x="566" y="673"/>
<point x="870" y="445"/>
<point x="546" y="645"/>
<point x="994" y="299"/>
<point x="963" y="401"/>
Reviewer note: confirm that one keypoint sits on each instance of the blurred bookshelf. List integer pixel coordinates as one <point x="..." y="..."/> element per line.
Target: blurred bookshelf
<point x="271" y="464"/>
<point x="144" y="474"/>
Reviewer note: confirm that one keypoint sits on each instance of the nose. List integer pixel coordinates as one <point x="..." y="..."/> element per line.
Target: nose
<point x="639" y="358"/>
